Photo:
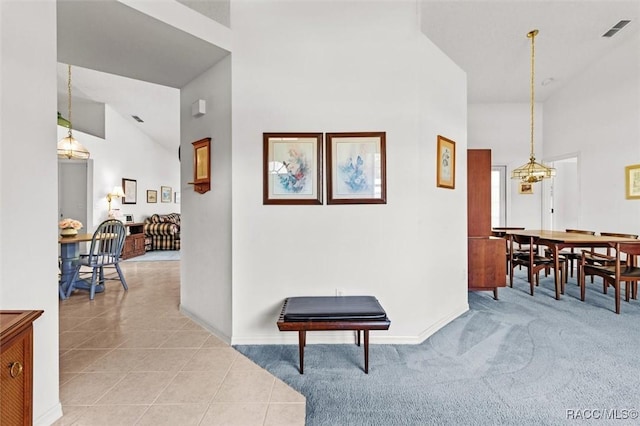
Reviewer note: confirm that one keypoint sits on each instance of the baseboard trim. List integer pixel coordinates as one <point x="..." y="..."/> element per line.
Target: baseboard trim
<point x="50" y="416"/>
<point x="347" y="337"/>
<point x="202" y="323"/>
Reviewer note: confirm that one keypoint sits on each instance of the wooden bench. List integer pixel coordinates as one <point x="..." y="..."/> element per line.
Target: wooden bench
<point x="324" y="313"/>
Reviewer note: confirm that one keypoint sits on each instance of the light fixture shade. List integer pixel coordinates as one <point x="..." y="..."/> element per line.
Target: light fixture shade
<point x="533" y="172"/>
<point x="117" y="192"/>
<point x="71" y="149"/>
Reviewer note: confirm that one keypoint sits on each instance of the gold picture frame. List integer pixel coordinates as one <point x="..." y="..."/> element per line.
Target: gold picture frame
<point x="446" y="163"/>
<point x="201" y="165"/>
<point x="632" y="182"/>
<point x="525" y="188"/>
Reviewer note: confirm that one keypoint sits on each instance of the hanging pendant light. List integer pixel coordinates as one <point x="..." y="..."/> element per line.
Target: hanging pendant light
<point x="69" y="147"/>
<point x="532" y="172"/>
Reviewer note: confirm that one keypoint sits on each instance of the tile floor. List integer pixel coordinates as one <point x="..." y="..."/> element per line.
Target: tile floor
<point x="131" y="358"/>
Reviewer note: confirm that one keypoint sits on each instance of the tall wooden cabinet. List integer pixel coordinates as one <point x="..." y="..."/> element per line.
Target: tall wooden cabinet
<point x="16" y="361"/>
<point x="486" y="254"/>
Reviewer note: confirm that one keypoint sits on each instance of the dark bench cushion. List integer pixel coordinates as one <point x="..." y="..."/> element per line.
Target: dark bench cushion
<point x="332" y="308"/>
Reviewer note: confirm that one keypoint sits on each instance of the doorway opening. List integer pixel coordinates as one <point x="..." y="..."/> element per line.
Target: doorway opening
<point x="560" y="200"/>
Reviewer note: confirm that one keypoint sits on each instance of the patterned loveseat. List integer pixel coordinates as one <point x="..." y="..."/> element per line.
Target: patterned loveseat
<point x="164" y="231"/>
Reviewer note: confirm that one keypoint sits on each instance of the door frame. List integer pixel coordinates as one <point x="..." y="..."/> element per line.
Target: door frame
<point x="547" y="189"/>
<point x="89" y="225"/>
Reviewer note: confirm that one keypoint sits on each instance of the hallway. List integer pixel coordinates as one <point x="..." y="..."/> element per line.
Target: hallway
<point x="131" y="358"/>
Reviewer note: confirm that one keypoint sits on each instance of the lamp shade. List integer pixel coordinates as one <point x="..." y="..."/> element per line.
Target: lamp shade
<point x="533" y="172"/>
<point x="71" y="149"/>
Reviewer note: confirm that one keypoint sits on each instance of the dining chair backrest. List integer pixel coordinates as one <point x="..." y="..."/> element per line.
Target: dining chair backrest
<point x="632" y="250"/>
<point x="619" y="235"/>
<point x="581" y="231"/>
<point x="107" y="243"/>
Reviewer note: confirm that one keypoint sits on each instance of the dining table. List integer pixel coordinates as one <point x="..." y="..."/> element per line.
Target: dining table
<point x="69" y="257"/>
<point x="557" y="240"/>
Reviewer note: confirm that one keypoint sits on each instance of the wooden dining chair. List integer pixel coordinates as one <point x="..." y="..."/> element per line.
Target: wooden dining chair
<point x="597" y="260"/>
<point x="501" y="232"/>
<point x="105" y="251"/>
<point x="624" y="269"/>
<point x="570" y="256"/>
<point x="532" y="261"/>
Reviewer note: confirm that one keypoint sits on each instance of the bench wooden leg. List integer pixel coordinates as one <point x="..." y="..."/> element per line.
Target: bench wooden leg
<point x="302" y="337"/>
<point x="366" y="351"/>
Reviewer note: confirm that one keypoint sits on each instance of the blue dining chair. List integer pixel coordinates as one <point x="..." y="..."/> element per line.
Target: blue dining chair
<point x="105" y="250"/>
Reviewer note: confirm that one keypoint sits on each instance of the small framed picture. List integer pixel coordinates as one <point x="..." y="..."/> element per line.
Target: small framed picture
<point x="446" y="169"/>
<point x="165" y="194"/>
<point x="128" y="218"/>
<point x="152" y="196"/>
<point x="176" y="197"/>
<point x="632" y="182"/>
<point x="525" y="188"/>
<point x="130" y="187"/>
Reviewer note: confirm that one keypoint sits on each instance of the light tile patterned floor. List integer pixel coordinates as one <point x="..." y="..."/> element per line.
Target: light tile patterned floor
<point x="131" y="358"/>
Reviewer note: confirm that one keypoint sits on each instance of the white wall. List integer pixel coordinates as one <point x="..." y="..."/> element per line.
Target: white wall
<point x="127" y="152"/>
<point x="206" y="281"/>
<point x="597" y="115"/>
<point x="505" y="129"/>
<point x="320" y="66"/>
<point x="28" y="185"/>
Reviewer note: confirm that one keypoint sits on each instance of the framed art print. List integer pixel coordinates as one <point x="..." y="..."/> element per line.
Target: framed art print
<point x="292" y="168"/>
<point x="356" y="168"/>
<point x="525" y="188"/>
<point x="632" y="182"/>
<point x="152" y="196"/>
<point x="165" y="194"/>
<point x="446" y="163"/>
<point x="130" y="188"/>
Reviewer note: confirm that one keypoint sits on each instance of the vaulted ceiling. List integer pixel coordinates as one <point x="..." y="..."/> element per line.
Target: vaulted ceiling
<point x="140" y="60"/>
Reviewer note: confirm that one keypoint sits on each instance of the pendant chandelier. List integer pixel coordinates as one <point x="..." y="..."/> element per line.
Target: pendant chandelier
<point x="532" y="172"/>
<point x="69" y="147"/>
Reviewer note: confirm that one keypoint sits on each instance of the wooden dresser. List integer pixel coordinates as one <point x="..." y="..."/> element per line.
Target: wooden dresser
<point x="16" y="360"/>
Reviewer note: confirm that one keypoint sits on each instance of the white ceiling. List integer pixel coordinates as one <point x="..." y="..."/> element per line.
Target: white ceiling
<point x="487" y="39"/>
<point x="130" y="61"/>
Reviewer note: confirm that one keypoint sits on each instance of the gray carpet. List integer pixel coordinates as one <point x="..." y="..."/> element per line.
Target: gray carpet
<point x="521" y="360"/>
<point x="156" y="256"/>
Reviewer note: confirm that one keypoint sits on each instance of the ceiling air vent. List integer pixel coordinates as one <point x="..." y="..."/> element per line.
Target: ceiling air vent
<point x="617" y="27"/>
<point x="138" y="119"/>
